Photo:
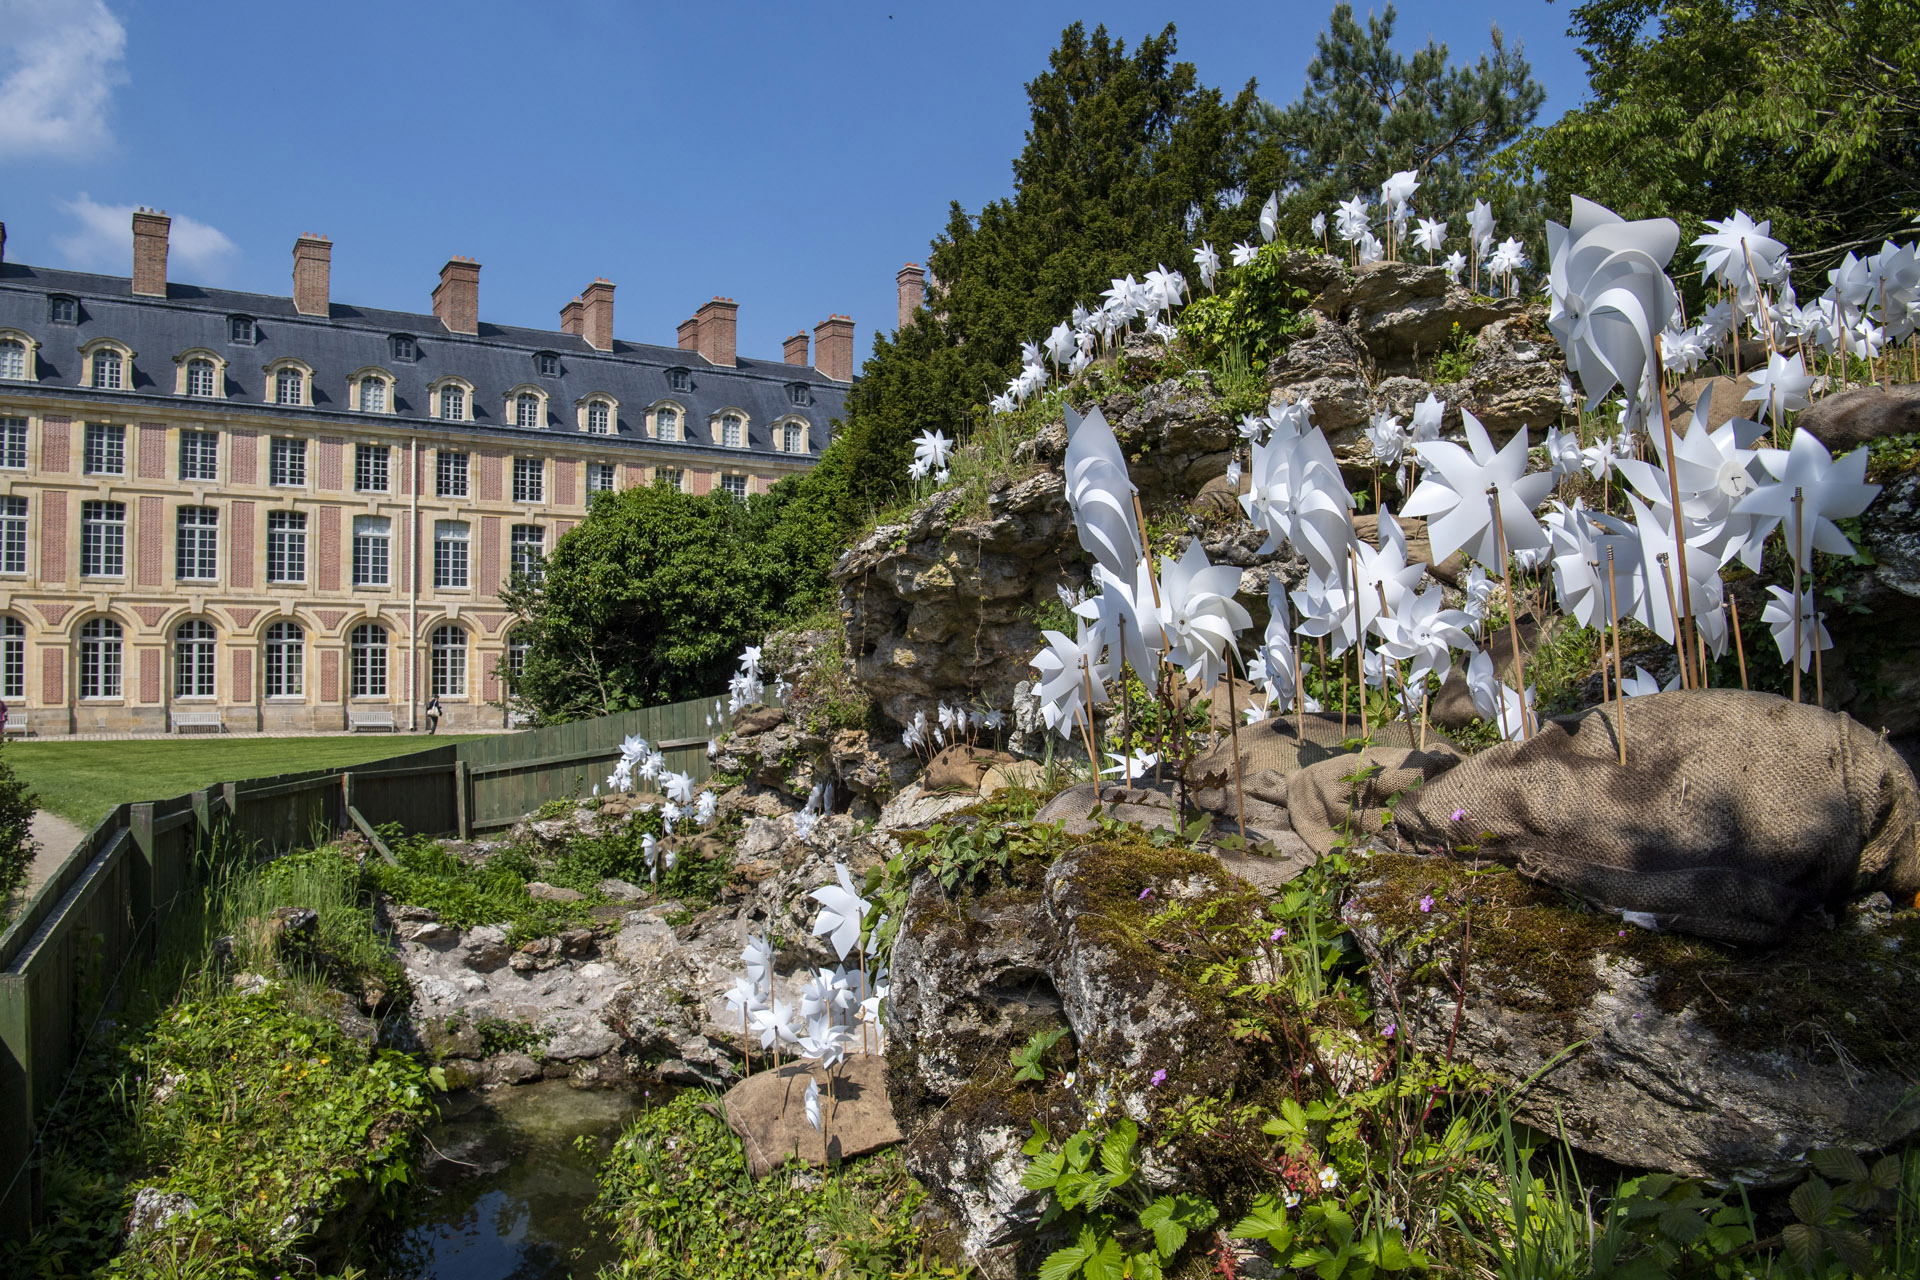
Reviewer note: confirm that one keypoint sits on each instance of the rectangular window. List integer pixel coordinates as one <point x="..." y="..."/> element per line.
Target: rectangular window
<point x="103" y="539"/>
<point x="370" y="468"/>
<point x="196" y="554"/>
<point x="193" y="658"/>
<point x="599" y="477"/>
<point x="369" y="674"/>
<point x="450" y="474"/>
<point x="199" y="455"/>
<point x="290" y="387"/>
<point x="668" y="476"/>
<point x="107" y="367"/>
<point x="450" y="553"/>
<point x="287" y="464"/>
<point x="105" y="453"/>
<point x="734" y="486"/>
<point x="371" y="543"/>
<point x="13" y="535"/>
<point x="13" y="443"/>
<point x="240" y="329"/>
<point x="13" y="658"/>
<point x="286" y="546"/>
<point x="529" y="550"/>
<point x="529" y="479"/>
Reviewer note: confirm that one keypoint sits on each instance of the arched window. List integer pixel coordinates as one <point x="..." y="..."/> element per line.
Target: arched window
<point x="526" y="410"/>
<point x="13" y="358"/>
<point x="666" y="423"/>
<point x="193" y="660"/>
<point x="290" y="387"/>
<point x="373" y="395"/>
<point x="733" y="431"/>
<point x="286" y="660"/>
<point x="200" y="378"/>
<point x="599" y="418"/>
<point x="109" y="370"/>
<point x="449" y="662"/>
<point x="453" y="403"/>
<point x="368" y="676"/>
<point x="13" y="658"/>
<point x="100" y="659"/>
<point x="794" y="438"/>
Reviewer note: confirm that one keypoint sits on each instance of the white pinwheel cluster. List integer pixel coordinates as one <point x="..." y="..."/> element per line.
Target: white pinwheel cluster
<point x="931" y="449"/>
<point x="746" y="687"/>
<point x="952" y="723"/>
<point x="637" y="761"/>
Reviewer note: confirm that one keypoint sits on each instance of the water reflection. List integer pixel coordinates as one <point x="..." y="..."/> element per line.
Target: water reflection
<point x="503" y="1190"/>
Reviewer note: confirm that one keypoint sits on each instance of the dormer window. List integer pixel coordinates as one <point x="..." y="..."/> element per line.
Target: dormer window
<point x="373" y="395"/>
<point x="63" y="310"/>
<point x="793" y="438"/>
<point x="548" y="364"/>
<point x="526" y="410"/>
<point x="403" y="347"/>
<point x="289" y="387"/>
<point x="599" y="418"/>
<point x="13" y="358"/>
<point x="109" y="370"/>
<point x="200" y="378"/>
<point x="241" y="329"/>
<point x="733" y="431"/>
<point x="451" y="400"/>
<point x="679" y="379"/>
<point x="798" y="393"/>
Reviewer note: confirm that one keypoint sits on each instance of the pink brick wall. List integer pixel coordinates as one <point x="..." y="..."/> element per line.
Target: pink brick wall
<point x="491" y="688"/>
<point x="240" y="541"/>
<point x="331" y="447"/>
<point x="329" y="549"/>
<point x="403" y="462"/>
<point x="244" y="453"/>
<point x="53" y="536"/>
<point x="699" y="481"/>
<point x="149" y="675"/>
<point x="243" y="675"/>
<point x="53" y="677"/>
<point x="56" y="444"/>
<point x="153" y="451"/>
<point x="565" y="477"/>
<point x="150" y="544"/>
<point x="489" y="583"/>
<point x="490" y="476"/>
<point x="330" y="675"/>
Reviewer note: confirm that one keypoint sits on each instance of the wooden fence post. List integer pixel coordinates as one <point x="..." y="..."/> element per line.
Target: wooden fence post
<point x="462" y="810"/>
<point x="140" y="826"/>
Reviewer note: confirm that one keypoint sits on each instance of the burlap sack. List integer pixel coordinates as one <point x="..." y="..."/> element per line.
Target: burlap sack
<point x="1734" y="813"/>
<point x="960" y="768"/>
<point x="1273" y="743"/>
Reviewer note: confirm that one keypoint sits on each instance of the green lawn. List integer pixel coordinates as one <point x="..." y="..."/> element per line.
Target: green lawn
<point x="81" y="781"/>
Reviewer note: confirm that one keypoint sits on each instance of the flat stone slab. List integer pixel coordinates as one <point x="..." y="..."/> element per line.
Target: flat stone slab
<point x="768" y="1110"/>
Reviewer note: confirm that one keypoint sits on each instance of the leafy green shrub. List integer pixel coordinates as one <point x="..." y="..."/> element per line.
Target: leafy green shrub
<point x="1117" y="1226"/>
<point x="494" y="892"/>
<point x="679" y="1202"/>
<point x="17" y="847"/>
<point x="1245" y="326"/>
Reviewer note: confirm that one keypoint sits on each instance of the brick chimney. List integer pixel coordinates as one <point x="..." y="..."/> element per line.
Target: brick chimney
<point x="3" y="244"/>
<point x="795" y="349"/>
<point x="833" y="347"/>
<point x="150" y="252"/>
<point x="911" y="283"/>
<point x="456" y="300"/>
<point x="597" y="314"/>
<point x="312" y="274"/>
<point x="711" y="331"/>
<point x="573" y="317"/>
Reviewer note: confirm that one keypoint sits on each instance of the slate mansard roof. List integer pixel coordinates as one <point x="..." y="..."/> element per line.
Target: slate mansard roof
<point x="349" y="339"/>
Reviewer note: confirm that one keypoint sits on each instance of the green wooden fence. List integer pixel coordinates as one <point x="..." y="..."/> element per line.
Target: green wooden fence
<point x="102" y="910"/>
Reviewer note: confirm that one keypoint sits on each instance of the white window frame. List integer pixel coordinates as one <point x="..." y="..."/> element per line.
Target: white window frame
<point x="519" y="560"/>
<point x="101" y="668"/>
<point x="13" y="535"/>
<point x="203" y="378"/>
<point x="287" y="462"/>
<point x="284" y="668"/>
<point x="452" y="555"/>
<point x="196" y="545"/>
<point x="103" y="539"/>
<point x="449" y="660"/>
<point x="13" y="443"/>
<point x="290" y="377"/>
<point x="372" y="462"/>
<point x="195" y="660"/>
<point x="199" y="459"/>
<point x="372" y="551"/>
<point x="530" y="480"/>
<point x="107" y="369"/>
<point x="103" y="449"/>
<point x="13" y="657"/>
<point x="367" y="661"/>
<point x="286" y="547"/>
<point x="20" y="353"/>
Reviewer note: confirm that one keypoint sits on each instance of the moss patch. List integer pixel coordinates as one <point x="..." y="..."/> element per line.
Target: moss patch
<point x="1821" y="992"/>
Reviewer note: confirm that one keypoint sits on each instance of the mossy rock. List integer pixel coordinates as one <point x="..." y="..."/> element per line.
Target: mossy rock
<point x="1656" y="1050"/>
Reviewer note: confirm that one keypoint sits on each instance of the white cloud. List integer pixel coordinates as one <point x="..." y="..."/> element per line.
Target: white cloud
<point x="102" y="240"/>
<point x="60" y="60"/>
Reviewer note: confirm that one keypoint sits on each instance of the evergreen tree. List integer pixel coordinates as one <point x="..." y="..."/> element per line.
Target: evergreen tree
<point x="1369" y="111"/>
<point x="1122" y="144"/>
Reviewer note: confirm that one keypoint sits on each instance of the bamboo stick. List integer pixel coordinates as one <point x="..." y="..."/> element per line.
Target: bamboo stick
<point x="1798" y="495"/>
<point x="1679" y="522"/>
<point x="1739" y="645"/>
<point x="1233" y="733"/>
<point x="1619" y="680"/>
<point x="1513" y="614"/>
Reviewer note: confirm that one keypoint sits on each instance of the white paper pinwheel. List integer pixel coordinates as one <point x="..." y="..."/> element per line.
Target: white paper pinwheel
<point x="1713" y="474"/>
<point x="1480" y="226"/>
<point x="812" y="1097"/>
<point x="1383" y="573"/>
<point x="1060" y="344"/>
<point x="1277" y="660"/>
<point x="1508" y="260"/>
<point x="1783" y="386"/>
<point x="1065" y="667"/>
<point x="1725" y="251"/>
<point x="1453" y="264"/>
<point x="1778" y="615"/>
<point x="1326" y="610"/>
<point x="1318" y="226"/>
<point x="1610" y="294"/>
<point x="774" y="1023"/>
<point x="841" y="911"/>
<point x="918" y="469"/>
<point x="1661" y="592"/>
<point x="1581" y="542"/>
<point x="1270" y="218"/>
<point x="1421" y="631"/>
<point x="1165" y="289"/>
<point x="1430" y="235"/>
<point x="825" y="1042"/>
<point x="757" y="956"/>
<point x="1832" y="491"/>
<point x="1428" y="417"/>
<point x="1371" y="249"/>
<point x="1243" y="253"/>
<point x="1563" y="452"/>
<point x="1642" y="684"/>
<point x="1389" y="439"/>
<point x="1399" y="188"/>
<point x="1126" y="623"/>
<point x="1351" y="219"/>
<point x="679" y="787"/>
<point x="1494" y="700"/>
<point x="933" y="447"/>
<point x="1100" y="493"/>
<point x="1297" y="496"/>
<point x="1207" y="263"/>
<point x="1137" y="765"/>
<point x="743" y="997"/>
<point x="1453" y="494"/>
<point x="1202" y="616"/>
<point x="803" y="824"/>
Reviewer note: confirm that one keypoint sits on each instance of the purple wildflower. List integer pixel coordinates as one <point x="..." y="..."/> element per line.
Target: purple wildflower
<point x="1277" y="934"/>
<point x="1459" y="815"/>
<point x="1159" y="1077"/>
<point x="1391" y="1028"/>
<point x="1426" y="903"/>
<point x="1145" y="894"/>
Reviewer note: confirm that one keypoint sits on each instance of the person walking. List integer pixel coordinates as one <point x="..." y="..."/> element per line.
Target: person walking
<point x="433" y="715"/>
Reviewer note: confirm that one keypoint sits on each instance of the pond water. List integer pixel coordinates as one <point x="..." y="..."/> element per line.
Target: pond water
<point x="503" y="1190"/>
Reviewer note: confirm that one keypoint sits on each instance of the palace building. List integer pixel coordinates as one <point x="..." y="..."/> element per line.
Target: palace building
<point x="230" y="510"/>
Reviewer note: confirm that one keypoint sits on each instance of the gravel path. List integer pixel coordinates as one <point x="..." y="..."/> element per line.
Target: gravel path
<point x="56" y="837"/>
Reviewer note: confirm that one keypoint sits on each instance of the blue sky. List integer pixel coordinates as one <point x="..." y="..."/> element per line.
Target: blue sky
<point x="788" y="156"/>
